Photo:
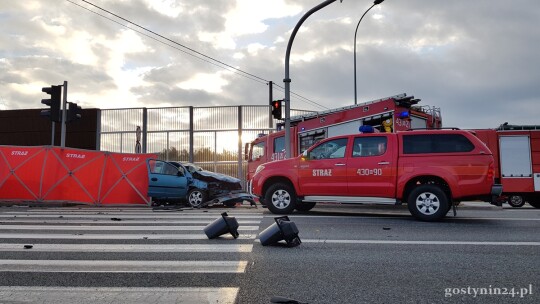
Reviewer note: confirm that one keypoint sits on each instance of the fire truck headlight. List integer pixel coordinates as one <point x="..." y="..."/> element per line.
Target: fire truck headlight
<point x="259" y="169"/>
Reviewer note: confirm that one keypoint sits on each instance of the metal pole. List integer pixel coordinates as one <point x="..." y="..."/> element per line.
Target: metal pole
<point x="191" y="139"/>
<point x="64" y="112"/>
<point x="145" y="130"/>
<point x="287" y="80"/>
<point x="52" y="135"/>
<point x="240" y="158"/>
<point x="168" y="147"/>
<point x="374" y="3"/>
<point x="270" y="99"/>
<point x="98" y="131"/>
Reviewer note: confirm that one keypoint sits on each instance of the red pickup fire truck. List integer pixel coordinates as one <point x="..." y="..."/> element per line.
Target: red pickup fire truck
<point x="390" y="114"/>
<point x="427" y="169"/>
<point x="516" y="149"/>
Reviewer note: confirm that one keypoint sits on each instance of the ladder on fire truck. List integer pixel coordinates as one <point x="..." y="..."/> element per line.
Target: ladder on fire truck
<point x="434" y="112"/>
<point x="506" y="127"/>
<point x="400" y="97"/>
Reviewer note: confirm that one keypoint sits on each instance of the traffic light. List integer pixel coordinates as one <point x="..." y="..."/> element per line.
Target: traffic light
<point x="74" y="112"/>
<point x="54" y="102"/>
<point x="276" y="108"/>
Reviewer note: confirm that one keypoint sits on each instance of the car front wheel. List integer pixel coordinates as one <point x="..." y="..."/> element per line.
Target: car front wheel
<point x="196" y="198"/>
<point x="280" y="199"/>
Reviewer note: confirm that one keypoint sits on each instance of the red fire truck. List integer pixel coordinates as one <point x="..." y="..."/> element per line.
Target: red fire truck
<point x="390" y="114"/>
<point x="516" y="150"/>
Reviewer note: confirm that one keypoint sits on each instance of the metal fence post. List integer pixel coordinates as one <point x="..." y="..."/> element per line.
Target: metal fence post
<point x="168" y="147"/>
<point x="98" y="131"/>
<point x="191" y="140"/>
<point x="240" y="158"/>
<point x="144" y="129"/>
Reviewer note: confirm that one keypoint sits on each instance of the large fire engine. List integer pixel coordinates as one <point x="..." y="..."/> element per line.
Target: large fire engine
<point x="390" y="114"/>
<point x="516" y="150"/>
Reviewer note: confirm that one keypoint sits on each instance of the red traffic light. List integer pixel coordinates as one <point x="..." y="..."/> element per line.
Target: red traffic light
<point x="276" y="109"/>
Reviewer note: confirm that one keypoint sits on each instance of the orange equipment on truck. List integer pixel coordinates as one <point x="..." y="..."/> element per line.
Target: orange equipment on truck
<point x="390" y="114"/>
<point x="516" y="150"/>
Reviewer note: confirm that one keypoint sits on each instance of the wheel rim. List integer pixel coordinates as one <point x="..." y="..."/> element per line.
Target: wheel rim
<point x="515" y="200"/>
<point x="281" y="199"/>
<point x="427" y="203"/>
<point x="195" y="198"/>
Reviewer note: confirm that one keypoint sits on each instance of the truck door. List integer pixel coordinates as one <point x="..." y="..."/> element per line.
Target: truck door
<point x="256" y="157"/>
<point x="371" y="168"/>
<point x="516" y="163"/>
<point x="323" y="170"/>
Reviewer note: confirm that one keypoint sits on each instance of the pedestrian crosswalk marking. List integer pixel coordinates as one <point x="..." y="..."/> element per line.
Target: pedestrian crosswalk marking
<point x="112" y="266"/>
<point x="121" y="221"/>
<point x="127" y="216"/>
<point x="132" y="295"/>
<point x="128" y="247"/>
<point x="109" y="228"/>
<point x="79" y="236"/>
<point x="29" y="238"/>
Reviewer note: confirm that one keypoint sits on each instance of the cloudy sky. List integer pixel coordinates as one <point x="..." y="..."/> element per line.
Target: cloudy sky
<point x="479" y="61"/>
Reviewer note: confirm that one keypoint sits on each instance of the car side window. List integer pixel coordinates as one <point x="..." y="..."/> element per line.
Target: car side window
<point x="160" y="167"/>
<point x="369" y="146"/>
<point x="257" y="151"/>
<point x="182" y="171"/>
<point x="329" y="149"/>
<point x="436" y="143"/>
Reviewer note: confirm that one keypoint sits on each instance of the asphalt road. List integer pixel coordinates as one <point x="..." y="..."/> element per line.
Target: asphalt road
<point x="348" y="255"/>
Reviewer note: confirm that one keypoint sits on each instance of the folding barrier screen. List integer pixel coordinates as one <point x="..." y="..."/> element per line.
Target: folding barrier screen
<point x="53" y="174"/>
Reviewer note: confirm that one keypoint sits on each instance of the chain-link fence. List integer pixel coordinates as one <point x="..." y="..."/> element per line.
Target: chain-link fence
<point x="211" y="137"/>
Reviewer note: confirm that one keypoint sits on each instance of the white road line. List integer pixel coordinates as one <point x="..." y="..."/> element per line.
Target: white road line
<point x="109" y="221"/>
<point x="345" y="216"/>
<point x="115" y="228"/>
<point x="108" y="266"/>
<point x="385" y="242"/>
<point x="127" y="248"/>
<point x="65" y="236"/>
<point x="131" y="295"/>
<point x="496" y="218"/>
<point x="128" y="216"/>
<point x="396" y="216"/>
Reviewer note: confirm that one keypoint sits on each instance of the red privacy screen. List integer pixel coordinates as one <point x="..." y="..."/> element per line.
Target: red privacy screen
<point x="53" y="174"/>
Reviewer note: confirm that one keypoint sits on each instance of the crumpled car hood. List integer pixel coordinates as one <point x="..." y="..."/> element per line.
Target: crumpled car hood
<point x="212" y="176"/>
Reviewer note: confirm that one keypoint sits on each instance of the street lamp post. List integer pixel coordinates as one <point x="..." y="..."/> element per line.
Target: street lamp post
<point x="287" y="80"/>
<point x="374" y="3"/>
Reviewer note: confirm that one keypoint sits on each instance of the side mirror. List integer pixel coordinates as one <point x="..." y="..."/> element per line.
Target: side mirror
<point x="304" y="156"/>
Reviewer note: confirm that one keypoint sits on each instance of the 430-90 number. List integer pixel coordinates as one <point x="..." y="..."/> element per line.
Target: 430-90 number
<point x="377" y="172"/>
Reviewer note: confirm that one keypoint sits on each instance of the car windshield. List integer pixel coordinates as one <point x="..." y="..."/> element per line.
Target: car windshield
<point x="193" y="168"/>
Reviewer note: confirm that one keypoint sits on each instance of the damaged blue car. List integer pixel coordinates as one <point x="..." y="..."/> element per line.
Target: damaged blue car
<point x="201" y="187"/>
